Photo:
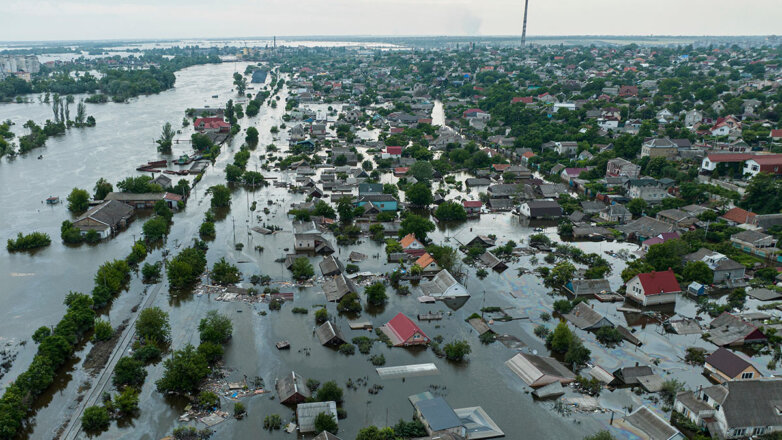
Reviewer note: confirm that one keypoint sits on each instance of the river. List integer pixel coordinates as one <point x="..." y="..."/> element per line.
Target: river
<point x="34" y="284"/>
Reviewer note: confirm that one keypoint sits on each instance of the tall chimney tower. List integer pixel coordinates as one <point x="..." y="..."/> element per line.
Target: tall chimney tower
<point x="524" y="29"/>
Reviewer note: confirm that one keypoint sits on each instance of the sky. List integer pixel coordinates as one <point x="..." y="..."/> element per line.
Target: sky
<point x="35" y="20"/>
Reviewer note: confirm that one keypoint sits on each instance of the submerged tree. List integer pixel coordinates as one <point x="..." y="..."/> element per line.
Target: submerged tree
<point x="166" y="137"/>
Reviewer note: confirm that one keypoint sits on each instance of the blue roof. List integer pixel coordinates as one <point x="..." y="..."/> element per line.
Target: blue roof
<point x="438" y="414"/>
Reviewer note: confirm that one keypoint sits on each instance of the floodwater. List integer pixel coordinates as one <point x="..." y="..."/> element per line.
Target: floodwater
<point x="35" y="284"/>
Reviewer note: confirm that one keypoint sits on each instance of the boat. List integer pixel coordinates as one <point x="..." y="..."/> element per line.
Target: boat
<point x="52" y="200"/>
<point x="283" y="345"/>
<point x="158" y="163"/>
<point x="214" y="96"/>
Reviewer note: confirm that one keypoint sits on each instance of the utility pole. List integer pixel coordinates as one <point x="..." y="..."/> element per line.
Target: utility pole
<point x="524" y="28"/>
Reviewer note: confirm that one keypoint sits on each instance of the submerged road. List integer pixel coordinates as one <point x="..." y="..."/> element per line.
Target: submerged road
<point x="99" y="386"/>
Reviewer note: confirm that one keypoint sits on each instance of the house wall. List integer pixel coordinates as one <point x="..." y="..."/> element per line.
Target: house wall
<point x="722" y="275"/>
<point x="648" y="193"/>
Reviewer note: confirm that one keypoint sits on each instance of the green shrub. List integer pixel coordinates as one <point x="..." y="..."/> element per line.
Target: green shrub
<point x="103" y="330"/>
<point x="32" y="240"/>
<point x="95" y="419"/>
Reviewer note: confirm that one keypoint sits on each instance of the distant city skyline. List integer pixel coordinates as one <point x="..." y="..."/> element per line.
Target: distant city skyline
<point x="35" y="20"/>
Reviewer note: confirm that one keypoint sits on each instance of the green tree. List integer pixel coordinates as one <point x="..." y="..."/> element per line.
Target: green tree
<point x="302" y="269"/>
<point x="457" y="350"/>
<point x="102" y="188"/>
<point x="78" y="200"/>
<point x="375" y="433"/>
<point x="698" y="271"/>
<point x="450" y="211"/>
<point x="419" y="194"/>
<point x="224" y="273"/>
<point x="637" y="206"/>
<point x="376" y="294"/>
<point x="345" y="210"/>
<point x="221" y="196"/>
<point x="240" y="82"/>
<point x="325" y="422"/>
<point x="152" y="325"/>
<point x="183" y="371"/>
<point x="215" y="328"/>
<point x="128" y="372"/>
<point x="251" y="138"/>
<point x="328" y="392"/>
<point x="155" y="229"/>
<point x="416" y="225"/>
<point x="233" y="173"/>
<point x="95" y="419"/>
<point x="166" y="137"/>
<point x="601" y="435"/>
<point x="126" y="402"/>
<point x="421" y="170"/>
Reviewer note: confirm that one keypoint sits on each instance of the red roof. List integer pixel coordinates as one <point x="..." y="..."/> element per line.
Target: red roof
<point x="776" y="133"/>
<point x="728" y="157"/>
<point x="472" y="111"/>
<point x="500" y="166"/>
<point x="472" y="203"/>
<point x="403" y="327"/>
<point x="740" y="216"/>
<point x="524" y="99"/>
<point x="401" y="170"/>
<point x="214" y="122"/>
<point x="394" y="150"/>
<point x="655" y="283"/>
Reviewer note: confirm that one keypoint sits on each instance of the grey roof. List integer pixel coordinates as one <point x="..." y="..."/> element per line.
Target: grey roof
<point x="109" y="213"/>
<point x="325" y="435"/>
<point x="585" y="317"/>
<point x="532" y="368"/>
<point x="630" y="375"/>
<point x="329" y="334"/>
<point x="439" y="284"/>
<point x="766" y="221"/>
<point x="133" y="197"/>
<point x="438" y="414"/>
<point x="331" y="265"/>
<point x="692" y="402"/>
<point x="504" y="189"/>
<point x="592" y="207"/>
<point x="337" y="287"/>
<point x="307" y="412"/>
<point x="753" y="403"/>
<point x="501" y="204"/>
<point x="728" y="329"/>
<point x="477" y="182"/>
<point x="646" y="227"/>
<point x="750" y="236"/>
<point x="490" y="260"/>
<point x="764" y="294"/>
<point x="544" y="208"/>
<point x="291" y="387"/>
<point x="589" y="287"/>
<point x="654" y="426"/>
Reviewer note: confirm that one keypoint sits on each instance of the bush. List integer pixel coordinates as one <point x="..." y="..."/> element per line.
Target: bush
<point x="224" y="273"/>
<point x="608" y="336"/>
<point x="378" y="360"/>
<point x="151" y="272"/>
<point x="347" y="349"/>
<point x="457" y="350"/>
<point x="103" y="330"/>
<point x="695" y="356"/>
<point x="313" y="384"/>
<point x="376" y="294"/>
<point x="239" y="410"/>
<point x="147" y="353"/>
<point x="138" y="252"/>
<point x="364" y="344"/>
<point x="302" y="269"/>
<point x="30" y="241"/>
<point x="351" y="268"/>
<point x="271" y="422"/>
<point x="152" y="325"/>
<point x="325" y="422"/>
<point x="321" y="315"/>
<point x="329" y="391"/>
<point x="300" y="310"/>
<point x="207" y="231"/>
<point x="69" y="233"/>
<point x="221" y="196"/>
<point x="215" y="328"/>
<point x="129" y="372"/>
<point x="349" y="303"/>
<point x="208" y="400"/>
<point x="450" y="211"/>
<point x="95" y="419"/>
<point x="126" y="403"/>
<point x="487" y="338"/>
<point x="671" y="388"/>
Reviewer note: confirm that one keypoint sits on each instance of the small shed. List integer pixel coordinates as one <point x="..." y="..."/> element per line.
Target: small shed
<point x="480" y="326"/>
<point x="537" y="371"/>
<point x="630" y="375"/>
<point x="307" y="412"/>
<point x="329" y="334"/>
<point x="492" y="262"/>
<point x="696" y="288"/>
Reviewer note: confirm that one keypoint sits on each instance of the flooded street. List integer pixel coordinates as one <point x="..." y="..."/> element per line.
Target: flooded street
<point x="34" y="284"/>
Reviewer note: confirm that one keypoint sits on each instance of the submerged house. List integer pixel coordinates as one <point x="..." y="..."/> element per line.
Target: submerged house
<point x="444" y="286"/>
<point x="403" y="332"/>
<point x="586" y="318"/>
<point x="292" y="389"/>
<point x="329" y="334"/>
<point x="312" y="243"/>
<point x="331" y="266"/>
<point x="106" y="219"/>
<point x="538" y="371"/>
<point x="728" y="329"/>
<point x="337" y="287"/>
